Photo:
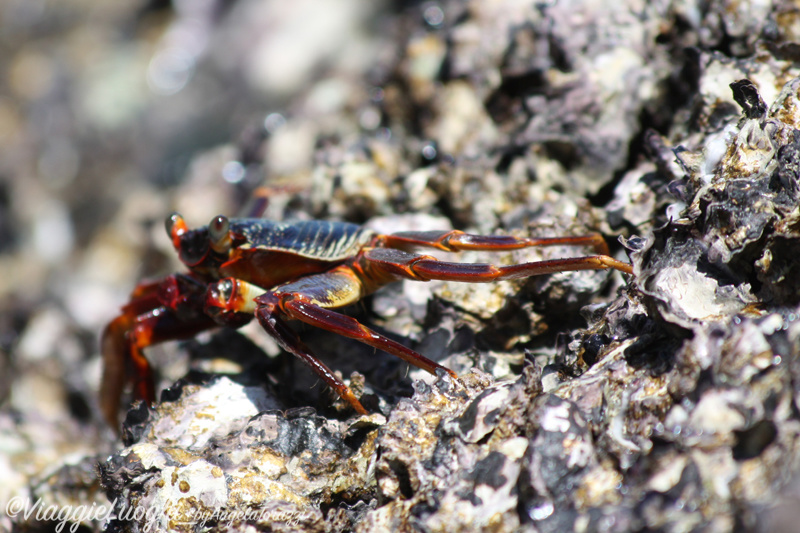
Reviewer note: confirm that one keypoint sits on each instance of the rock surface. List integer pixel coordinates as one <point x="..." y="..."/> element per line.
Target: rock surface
<point x="591" y="401"/>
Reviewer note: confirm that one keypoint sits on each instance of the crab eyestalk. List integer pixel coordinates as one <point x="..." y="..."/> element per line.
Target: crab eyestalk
<point x="176" y="228"/>
<point x="219" y="236"/>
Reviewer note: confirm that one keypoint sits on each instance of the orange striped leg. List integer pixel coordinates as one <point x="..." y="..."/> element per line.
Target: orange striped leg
<point x="456" y="241"/>
<point x="387" y="263"/>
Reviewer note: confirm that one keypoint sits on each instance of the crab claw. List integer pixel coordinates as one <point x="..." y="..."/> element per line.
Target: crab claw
<point x="231" y="301"/>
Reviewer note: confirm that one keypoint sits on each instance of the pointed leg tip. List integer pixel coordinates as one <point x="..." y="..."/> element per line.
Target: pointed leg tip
<point x="347" y="395"/>
<point x="625" y="268"/>
<point x="356" y="405"/>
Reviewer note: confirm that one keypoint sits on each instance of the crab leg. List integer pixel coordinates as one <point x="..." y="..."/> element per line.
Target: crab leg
<point x="273" y="324"/>
<point x="386" y="264"/>
<point x="158" y="312"/>
<point x="310" y="300"/>
<point x="456" y="241"/>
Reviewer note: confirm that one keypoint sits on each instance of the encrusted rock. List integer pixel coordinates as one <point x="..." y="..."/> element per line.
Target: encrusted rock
<point x="586" y="401"/>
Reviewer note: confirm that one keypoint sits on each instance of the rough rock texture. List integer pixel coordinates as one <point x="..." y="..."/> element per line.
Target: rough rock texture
<point x="592" y="401"/>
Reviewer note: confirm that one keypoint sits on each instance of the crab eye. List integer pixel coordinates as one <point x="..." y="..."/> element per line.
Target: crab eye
<point x="225" y="288"/>
<point x="218" y="234"/>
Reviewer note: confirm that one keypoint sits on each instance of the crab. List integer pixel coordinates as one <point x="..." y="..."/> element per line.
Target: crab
<point x="245" y="268"/>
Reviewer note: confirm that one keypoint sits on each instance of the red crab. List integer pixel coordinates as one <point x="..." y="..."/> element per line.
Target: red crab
<point x="240" y="268"/>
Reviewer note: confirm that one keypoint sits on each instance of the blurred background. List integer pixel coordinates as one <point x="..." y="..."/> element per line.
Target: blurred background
<point x="112" y="115"/>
